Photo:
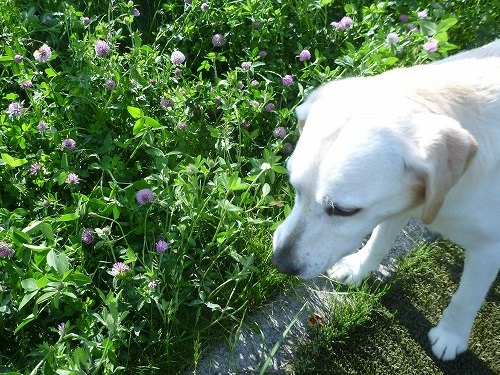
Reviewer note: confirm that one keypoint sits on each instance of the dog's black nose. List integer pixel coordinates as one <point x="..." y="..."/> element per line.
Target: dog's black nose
<point x="284" y="265"/>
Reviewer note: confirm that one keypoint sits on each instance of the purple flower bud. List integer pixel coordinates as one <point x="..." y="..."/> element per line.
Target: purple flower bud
<point x="279" y="132"/>
<point x="218" y="40"/>
<point x="69" y="144"/>
<point x="43" y="53"/>
<point x="269" y="107"/>
<point x="102" y="48"/>
<point x="287" y="80"/>
<point x="161" y="246"/>
<point x="144" y="196"/>
<point x="305" y="55"/>
<point x="177" y="57"/>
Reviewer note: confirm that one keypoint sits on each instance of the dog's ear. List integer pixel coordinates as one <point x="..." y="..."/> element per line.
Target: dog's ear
<point x="444" y="150"/>
<point x="302" y="111"/>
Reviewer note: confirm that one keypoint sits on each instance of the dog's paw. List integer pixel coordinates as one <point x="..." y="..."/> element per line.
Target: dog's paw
<point x="446" y="345"/>
<point x="348" y="271"/>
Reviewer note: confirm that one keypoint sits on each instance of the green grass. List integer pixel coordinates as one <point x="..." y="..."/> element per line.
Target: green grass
<point x="391" y="337"/>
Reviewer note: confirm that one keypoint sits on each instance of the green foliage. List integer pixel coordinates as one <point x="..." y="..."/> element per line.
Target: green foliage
<point x="81" y="135"/>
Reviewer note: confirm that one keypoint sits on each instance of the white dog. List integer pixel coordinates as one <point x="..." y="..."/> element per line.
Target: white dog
<point x="414" y="142"/>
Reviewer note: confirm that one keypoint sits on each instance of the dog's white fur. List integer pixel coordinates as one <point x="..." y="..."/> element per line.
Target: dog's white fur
<point x="414" y="142"/>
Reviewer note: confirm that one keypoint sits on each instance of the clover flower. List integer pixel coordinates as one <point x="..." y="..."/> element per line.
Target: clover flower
<point x="204" y="7"/>
<point x="182" y="125"/>
<point x="152" y="284"/>
<point x="392" y="38"/>
<point x="177" y="57"/>
<point x="61" y="327"/>
<point x="88" y="236"/>
<point x="5" y="250"/>
<point x="287" y="80"/>
<point x="102" y="48"/>
<point x="35" y="168"/>
<point x="86" y="21"/>
<point x="69" y="144"/>
<point x="72" y="179"/>
<point x="26" y="84"/>
<point x="144" y="196"/>
<point x="245" y="65"/>
<point x="423" y="14"/>
<point x="41" y="126"/>
<point x="18" y="59"/>
<point x="262" y="54"/>
<point x="136" y="12"/>
<point x="218" y="40"/>
<point x="344" y="24"/>
<point x="254" y="83"/>
<point x="110" y="84"/>
<point x="403" y="17"/>
<point x="15" y="109"/>
<point x="305" y="55"/>
<point x="431" y="45"/>
<point x="265" y="166"/>
<point x="279" y="132"/>
<point x="166" y="103"/>
<point x="161" y="246"/>
<point x="269" y="107"/>
<point x="43" y="53"/>
<point x="119" y="269"/>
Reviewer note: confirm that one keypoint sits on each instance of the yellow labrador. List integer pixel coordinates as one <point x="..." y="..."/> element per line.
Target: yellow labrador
<point x="373" y="152"/>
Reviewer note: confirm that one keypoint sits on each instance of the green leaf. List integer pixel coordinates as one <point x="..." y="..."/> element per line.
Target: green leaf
<point x="68" y="217"/>
<point x="20" y="238"/>
<point x="279" y="169"/>
<point x="266" y="189"/>
<point x="34" y="225"/>
<point x="25" y="321"/>
<point x="29" y="285"/>
<point x="135" y="112"/>
<point x="27" y="297"/>
<point x="61" y="179"/>
<point x="50" y="72"/>
<point x="46" y="296"/>
<point x="428" y="28"/>
<point x="79" y="279"/>
<point x="47" y="231"/>
<point x="58" y="261"/>
<point x="13" y="162"/>
<point x="446" y="24"/>
<point x="139" y="126"/>
<point x="151" y="122"/>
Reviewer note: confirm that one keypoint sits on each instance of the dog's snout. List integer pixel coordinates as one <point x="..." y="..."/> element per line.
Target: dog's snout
<point x="283" y="262"/>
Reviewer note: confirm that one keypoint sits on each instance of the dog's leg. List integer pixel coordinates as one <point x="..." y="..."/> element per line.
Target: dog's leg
<point x="355" y="267"/>
<point x="451" y="336"/>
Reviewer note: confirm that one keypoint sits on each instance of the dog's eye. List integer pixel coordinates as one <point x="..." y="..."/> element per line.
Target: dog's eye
<point x="333" y="210"/>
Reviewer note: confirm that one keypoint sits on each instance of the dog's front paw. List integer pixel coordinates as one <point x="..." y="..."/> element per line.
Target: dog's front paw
<point x="349" y="270"/>
<point x="446" y="344"/>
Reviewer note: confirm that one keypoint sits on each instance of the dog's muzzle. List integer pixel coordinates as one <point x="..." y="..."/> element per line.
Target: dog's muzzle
<point x="283" y="262"/>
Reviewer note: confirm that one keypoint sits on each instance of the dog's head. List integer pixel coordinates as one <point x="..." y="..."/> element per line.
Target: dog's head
<point x="358" y="162"/>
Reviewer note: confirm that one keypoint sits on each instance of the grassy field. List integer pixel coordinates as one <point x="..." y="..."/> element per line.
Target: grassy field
<point x="142" y="150"/>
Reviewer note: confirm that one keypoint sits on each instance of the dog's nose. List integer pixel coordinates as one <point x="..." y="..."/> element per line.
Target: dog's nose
<point x="284" y="265"/>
